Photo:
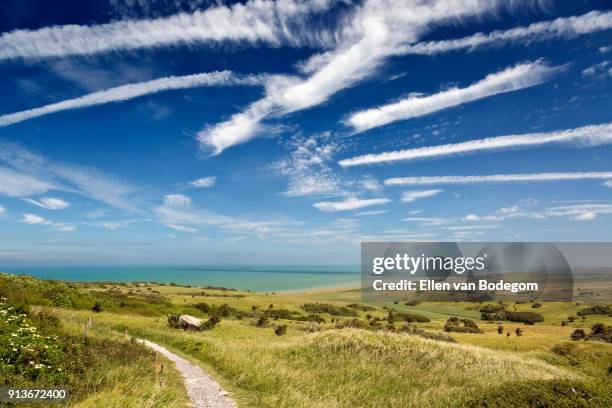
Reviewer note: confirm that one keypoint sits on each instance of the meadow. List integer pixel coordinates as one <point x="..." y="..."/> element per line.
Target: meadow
<point x="335" y="351"/>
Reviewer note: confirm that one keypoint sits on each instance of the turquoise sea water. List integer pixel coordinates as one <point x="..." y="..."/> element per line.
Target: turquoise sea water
<point x="255" y="279"/>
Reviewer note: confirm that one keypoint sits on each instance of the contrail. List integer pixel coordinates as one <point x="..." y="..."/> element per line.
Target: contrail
<point x="131" y="91"/>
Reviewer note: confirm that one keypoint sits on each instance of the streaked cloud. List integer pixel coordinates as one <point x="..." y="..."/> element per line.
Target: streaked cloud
<point x="49" y="203"/>
<point x="16" y="184"/>
<point x="413" y="195"/>
<point x="511" y="79"/>
<point x="180" y="228"/>
<point x="271" y="22"/>
<point x="564" y="27"/>
<point x="33" y="219"/>
<point x="131" y="91"/>
<point x="370" y="213"/>
<point x="429" y="221"/>
<point x="496" y="178"/>
<point x="372" y="35"/>
<point x="203" y="182"/>
<point x="585" y="136"/>
<point x="26" y="174"/>
<point x="350" y="203"/>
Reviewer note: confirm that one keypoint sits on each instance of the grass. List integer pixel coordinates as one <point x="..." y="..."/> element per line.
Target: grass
<point x="319" y="365"/>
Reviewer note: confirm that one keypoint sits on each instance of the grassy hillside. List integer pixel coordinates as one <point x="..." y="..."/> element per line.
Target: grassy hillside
<point x="337" y="352"/>
<point x="37" y="348"/>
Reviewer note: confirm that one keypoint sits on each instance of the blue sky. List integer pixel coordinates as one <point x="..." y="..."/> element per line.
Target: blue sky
<point x="194" y="132"/>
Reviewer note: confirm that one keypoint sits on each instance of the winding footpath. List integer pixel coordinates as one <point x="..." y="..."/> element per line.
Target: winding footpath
<point x="203" y="391"/>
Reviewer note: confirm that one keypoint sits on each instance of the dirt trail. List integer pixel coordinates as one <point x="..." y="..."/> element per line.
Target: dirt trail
<point x="203" y="391"/>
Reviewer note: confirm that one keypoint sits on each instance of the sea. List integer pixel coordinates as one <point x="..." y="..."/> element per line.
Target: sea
<point x="258" y="279"/>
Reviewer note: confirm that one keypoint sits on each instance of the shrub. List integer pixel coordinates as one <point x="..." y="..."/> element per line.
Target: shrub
<point x="173" y="320"/>
<point x="412" y="303"/>
<point x="601" y="332"/>
<point x="578" y="334"/>
<point x="280" y="330"/>
<point x="363" y="308"/>
<point x="524" y="317"/>
<point x="492" y="308"/>
<point x="519" y="332"/>
<point x="406" y="317"/>
<point x="454" y="324"/>
<point x="210" y="323"/>
<point x="262" y="321"/>
<point x="536" y="305"/>
<point x="330" y="309"/>
<point x="596" y="310"/>
<point x="97" y="307"/>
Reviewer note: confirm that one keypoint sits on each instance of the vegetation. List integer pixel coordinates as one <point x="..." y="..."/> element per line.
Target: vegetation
<point x="455" y="324"/>
<point x="329" y="309"/>
<point x="308" y="351"/>
<point x="35" y="350"/>
<point x="599" y="332"/>
<point x="596" y="310"/>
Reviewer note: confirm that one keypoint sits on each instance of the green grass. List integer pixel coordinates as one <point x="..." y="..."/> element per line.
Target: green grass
<point x="319" y="365"/>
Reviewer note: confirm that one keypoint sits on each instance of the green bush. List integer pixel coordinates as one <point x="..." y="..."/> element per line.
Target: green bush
<point x="329" y="309"/>
<point x="455" y="324"/>
<point x="173" y="320"/>
<point x="524" y="317"/>
<point x="406" y="317"/>
<point x="596" y="310"/>
<point x="280" y="330"/>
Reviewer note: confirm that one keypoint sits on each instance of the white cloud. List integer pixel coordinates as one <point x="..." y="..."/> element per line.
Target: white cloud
<point x="17" y="184"/>
<point x="564" y="27"/>
<point x="472" y="227"/>
<point x="30" y="174"/>
<point x="349" y="204"/>
<point x="412" y="196"/>
<point x="511" y="79"/>
<point x="587" y="216"/>
<point x="369" y="213"/>
<point x="496" y="178"/>
<point x="602" y="70"/>
<point x="2" y="210"/>
<point x="508" y="210"/>
<point x="272" y="22"/>
<point x="131" y="91"/>
<point x="177" y="200"/>
<point x="608" y="183"/>
<point x="181" y="228"/>
<point x="580" y="212"/>
<point x="481" y="218"/>
<point x="585" y="136"/>
<point x="428" y="221"/>
<point x="372" y="34"/>
<point x="307" y="167"/>
<point x="33" y="219"/>
<point x="203" y="182"/>
<point x="49" y="203"/>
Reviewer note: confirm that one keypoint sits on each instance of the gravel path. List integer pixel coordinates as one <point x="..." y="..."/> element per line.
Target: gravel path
<point x="202" y="389"/>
